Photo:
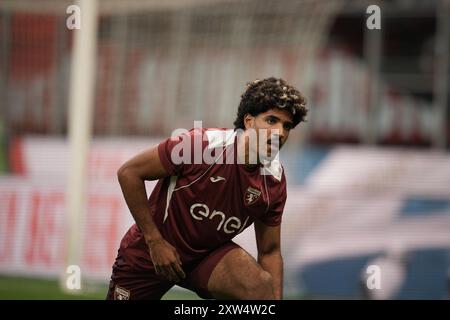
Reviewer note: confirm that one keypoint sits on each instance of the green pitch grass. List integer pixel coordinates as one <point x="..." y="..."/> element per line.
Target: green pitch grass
<point x="19" y="288"/>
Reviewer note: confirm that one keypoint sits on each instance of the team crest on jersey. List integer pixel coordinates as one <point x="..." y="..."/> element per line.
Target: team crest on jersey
<point x="121" y="293"/>
<point x="251" y="195"/>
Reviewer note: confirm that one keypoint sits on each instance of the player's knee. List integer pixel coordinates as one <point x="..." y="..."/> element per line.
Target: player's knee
<point x="261" y="287"/>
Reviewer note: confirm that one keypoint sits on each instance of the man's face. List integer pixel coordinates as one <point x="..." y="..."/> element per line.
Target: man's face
<point x="271" y="127"/>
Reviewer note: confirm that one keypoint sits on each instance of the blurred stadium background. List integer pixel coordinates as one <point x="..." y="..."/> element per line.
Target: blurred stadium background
<point x="368" y="174"/>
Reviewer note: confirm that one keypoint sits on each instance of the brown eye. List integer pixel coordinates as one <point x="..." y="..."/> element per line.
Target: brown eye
<point x="271" y="121"/>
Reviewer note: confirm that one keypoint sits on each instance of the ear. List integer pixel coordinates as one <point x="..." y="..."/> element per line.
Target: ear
<point x="249" y="121"/>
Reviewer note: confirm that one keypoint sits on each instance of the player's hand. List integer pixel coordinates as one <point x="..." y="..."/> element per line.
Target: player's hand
<point x="166" y="260"/>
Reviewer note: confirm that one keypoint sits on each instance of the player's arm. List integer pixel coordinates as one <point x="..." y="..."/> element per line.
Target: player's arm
<point x="269" y="254"/>
<point x="132" y="175"/>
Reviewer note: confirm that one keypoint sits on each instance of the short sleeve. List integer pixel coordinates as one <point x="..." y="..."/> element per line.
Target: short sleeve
<point x="164" y="150"/>
<point x="278" y="195"/>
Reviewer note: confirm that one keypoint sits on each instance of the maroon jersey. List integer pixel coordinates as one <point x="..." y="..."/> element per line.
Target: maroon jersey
<point x="206" y="201"/>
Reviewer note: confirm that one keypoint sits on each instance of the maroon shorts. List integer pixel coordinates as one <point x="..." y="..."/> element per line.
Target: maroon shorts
<point x="128" y="282"/>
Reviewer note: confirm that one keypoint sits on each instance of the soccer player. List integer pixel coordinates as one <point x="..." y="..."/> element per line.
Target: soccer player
<point x="212" y="184"/>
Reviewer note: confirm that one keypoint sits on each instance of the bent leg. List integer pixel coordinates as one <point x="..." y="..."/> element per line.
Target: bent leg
<point x="131" y="282"/>
<point x="238" y="276"/>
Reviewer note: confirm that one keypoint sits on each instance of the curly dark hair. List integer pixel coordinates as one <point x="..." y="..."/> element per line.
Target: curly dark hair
<point x="269" y="93"/>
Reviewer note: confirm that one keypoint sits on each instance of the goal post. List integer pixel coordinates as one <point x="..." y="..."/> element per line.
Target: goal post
<point x="81" y="94"/>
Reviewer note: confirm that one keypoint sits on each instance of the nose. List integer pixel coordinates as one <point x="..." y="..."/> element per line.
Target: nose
<point x="282" y="132"/>
<point x="278" y="132"/>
